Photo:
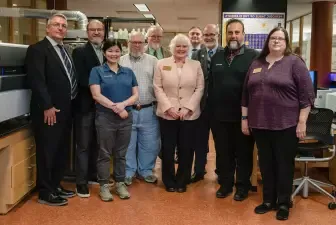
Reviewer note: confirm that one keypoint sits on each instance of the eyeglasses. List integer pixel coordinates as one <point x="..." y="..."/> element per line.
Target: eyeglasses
<point x="209" y="35"/>
<point x="61" y="25"/>
<point x="137" y="42"/>
<point x="96" y="29"/>
<point x="156" y="37"/>
<point x="277" y="38"/>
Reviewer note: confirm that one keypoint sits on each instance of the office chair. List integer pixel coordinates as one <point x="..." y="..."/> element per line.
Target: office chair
<point x="318" y="130"/>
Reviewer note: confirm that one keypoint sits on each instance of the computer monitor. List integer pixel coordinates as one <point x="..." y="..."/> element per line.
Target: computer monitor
<point x="313" y="77"/>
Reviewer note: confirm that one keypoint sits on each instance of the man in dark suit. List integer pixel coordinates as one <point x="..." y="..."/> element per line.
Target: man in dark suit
<point x="85" y="58"/>
<point x="210" y="37"/>
<point x="52" y="78"/>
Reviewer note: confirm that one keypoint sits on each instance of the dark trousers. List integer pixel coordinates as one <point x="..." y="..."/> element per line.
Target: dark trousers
<point x="234" y="153"/>
<point x="52" y="151"/>
<point x="113" y="135"/>
<point x="86" y="151"/>
<point x="276" y="150"/>
<point x="202" y="139"/>
<point x="183" y="133"/>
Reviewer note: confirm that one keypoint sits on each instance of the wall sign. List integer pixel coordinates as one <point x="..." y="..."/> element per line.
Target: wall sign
<point x="257" y="26"/>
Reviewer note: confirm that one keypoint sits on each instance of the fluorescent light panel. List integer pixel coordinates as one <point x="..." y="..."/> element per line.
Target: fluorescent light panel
<point x="150" y="16"/>
<point x="142" y="7"/>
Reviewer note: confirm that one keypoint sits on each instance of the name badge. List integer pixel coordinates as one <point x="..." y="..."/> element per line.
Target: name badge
<point x="219" y="64"/>
<point x="257" y="70"/>
<point x="168" y="68"/>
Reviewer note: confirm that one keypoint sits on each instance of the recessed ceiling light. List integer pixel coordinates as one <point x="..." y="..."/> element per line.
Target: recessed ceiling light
<point x="142" y="7"/>
<point x="149" y="16"/>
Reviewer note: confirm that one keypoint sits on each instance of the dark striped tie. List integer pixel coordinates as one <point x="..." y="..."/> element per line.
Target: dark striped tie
<point x="210" y="53"/>
<point x="69" y="68"/>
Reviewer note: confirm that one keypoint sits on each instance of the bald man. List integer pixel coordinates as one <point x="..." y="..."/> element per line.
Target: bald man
<point x="204" y="55"/>
<point x="85" y="58"/>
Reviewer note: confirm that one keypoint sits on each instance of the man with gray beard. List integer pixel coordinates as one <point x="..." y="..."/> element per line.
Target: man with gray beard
<point x="85" y="58"/>
<point x="145" y="139"/>
<point x="154" y="48"/>
<point x="234" y="150"/>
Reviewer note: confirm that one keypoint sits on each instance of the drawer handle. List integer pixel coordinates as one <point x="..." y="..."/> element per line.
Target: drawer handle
<point x="31" y="184"/>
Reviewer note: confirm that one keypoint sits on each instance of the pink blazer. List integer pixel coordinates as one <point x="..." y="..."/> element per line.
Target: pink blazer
<point x="174" y="90"/>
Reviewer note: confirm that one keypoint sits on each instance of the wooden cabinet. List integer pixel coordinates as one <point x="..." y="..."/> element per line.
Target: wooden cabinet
<point x="17" y="168"/>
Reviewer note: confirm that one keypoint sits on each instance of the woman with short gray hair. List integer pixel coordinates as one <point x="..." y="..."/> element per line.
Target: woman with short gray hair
<point x="178" y="86"/>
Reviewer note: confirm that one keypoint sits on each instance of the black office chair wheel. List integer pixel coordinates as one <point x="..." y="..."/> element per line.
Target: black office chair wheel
<point x="254" y="188"/>
<point x="332" y="205"/>
<point x="333" y="193"/>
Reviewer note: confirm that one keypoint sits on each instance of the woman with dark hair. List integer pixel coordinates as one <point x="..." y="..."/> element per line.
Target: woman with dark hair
<point x="277" y="98"/>
<point x="115" y="89"/>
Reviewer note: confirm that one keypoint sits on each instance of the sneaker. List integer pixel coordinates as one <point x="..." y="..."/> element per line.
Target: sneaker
<point x="82" y="190"/>
<point x="128" y="181"/>
<point x="105" y="193"/>
<point x="150" y="179"/>
<point x="121" y="190"/>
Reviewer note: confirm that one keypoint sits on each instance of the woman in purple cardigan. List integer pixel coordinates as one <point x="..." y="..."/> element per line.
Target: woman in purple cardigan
<point x="277" y="97"/>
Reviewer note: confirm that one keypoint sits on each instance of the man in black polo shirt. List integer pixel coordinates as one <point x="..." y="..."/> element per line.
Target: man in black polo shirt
<point x="234" y="150"/>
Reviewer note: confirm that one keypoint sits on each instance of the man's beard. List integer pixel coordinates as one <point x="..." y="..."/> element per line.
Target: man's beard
<point x="155" y="46"/>
<point x="135" y="54"/>
<point x="234" y="45"/>
<point x="97" y="41"/>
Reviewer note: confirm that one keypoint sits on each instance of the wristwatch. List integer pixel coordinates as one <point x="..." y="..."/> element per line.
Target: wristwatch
<point x="244" y="117"/>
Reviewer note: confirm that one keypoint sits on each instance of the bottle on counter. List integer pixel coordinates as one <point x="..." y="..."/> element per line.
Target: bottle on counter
<point x="125" y="34"/>
<point x="111" y="33"/>
<point x="120" y="33"/>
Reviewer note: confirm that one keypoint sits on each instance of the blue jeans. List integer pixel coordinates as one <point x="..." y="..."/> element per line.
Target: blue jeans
<point x="144" y="146"/>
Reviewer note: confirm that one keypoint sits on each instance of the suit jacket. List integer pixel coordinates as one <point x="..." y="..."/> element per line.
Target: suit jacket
<point x="201" y="55"/>
<point x="165" y="52"/>
<point x="85" y="58"/>
<point x="172" y="90"/>
<point x="48" y="81"/>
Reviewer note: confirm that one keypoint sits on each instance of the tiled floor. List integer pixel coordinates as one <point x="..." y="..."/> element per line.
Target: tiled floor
<point x="151" y="204"/>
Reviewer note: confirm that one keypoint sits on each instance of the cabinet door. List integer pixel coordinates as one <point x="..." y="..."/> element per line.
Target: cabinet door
<point x="23" y="179"/>
<point x="22" y="150"/>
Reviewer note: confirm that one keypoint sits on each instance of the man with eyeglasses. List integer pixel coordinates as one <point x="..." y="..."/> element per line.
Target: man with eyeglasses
<point x="85" y="58"/>
<point x="154" y="48"/>
<point x="145" y="139"/>
<point x="234" y="150"/>
<point x="52" y="78"/>
<point x="204" y="55"/>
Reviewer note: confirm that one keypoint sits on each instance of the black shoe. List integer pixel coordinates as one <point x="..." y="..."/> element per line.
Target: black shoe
<point x="181" y="190"/>
<point x="52" y="200"/>
<point x="283" y="212"/>
<point x="65" y="193"/>
<point x="240" y="195"/>
<point x="196" y="177"/>
<point x="170" y="189"/>
<point x="223" y="192"/>
<point x="264" y="208"/>
<point x="82" y="190"/>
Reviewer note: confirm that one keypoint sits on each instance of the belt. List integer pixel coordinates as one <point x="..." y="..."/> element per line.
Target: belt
<point x="139" y="107"/>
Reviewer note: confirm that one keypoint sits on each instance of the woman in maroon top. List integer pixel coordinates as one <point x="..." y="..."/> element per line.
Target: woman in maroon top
<point x="277" y="97"/>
